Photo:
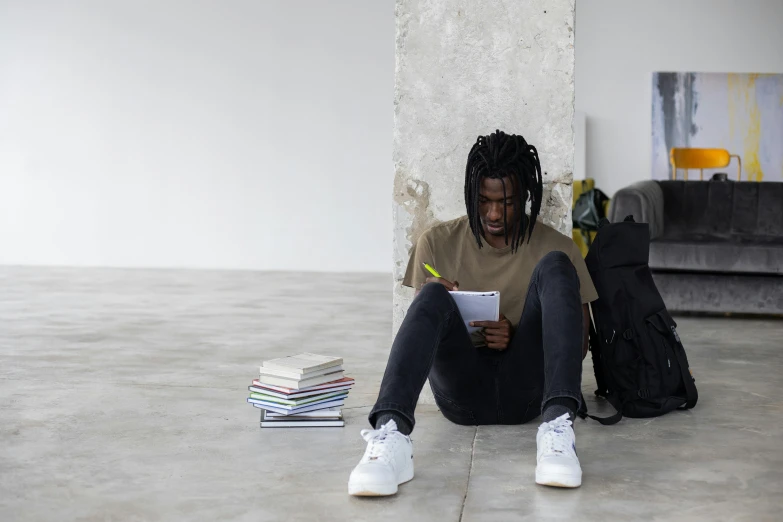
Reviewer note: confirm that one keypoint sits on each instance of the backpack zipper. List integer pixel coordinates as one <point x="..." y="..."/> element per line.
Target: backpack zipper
<point x="666" y="354"/>
<point x="677" y="338"/>
<point x="676" y="335"/>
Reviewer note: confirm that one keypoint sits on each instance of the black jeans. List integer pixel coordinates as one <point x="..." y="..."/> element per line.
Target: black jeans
<point x="480" y="385"/>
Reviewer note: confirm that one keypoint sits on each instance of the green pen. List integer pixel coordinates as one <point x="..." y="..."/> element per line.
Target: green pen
<point x="432" y="271"/>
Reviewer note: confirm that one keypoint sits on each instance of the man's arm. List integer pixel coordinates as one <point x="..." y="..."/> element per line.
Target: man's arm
<point x="586" y="330"/>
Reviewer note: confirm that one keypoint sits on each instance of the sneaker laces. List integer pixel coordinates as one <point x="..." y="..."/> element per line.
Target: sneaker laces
<point x="555" y="437"/>
<point x="379" y="441"/>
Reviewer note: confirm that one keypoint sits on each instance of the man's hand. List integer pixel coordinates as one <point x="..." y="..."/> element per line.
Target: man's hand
<point x="497" y="333"/>
<point x="451" y="287"/>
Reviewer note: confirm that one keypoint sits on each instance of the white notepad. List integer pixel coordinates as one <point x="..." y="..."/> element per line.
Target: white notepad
<point x="477" y="306"/>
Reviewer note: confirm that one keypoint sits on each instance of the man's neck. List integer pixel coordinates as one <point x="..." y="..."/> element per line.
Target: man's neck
<point x="498" y="242"/>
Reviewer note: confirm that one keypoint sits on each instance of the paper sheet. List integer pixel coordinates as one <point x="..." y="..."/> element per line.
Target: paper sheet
<point x="477" y="306"/>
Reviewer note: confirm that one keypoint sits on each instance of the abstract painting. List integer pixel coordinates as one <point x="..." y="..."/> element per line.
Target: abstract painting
<point x="742" y="113"/>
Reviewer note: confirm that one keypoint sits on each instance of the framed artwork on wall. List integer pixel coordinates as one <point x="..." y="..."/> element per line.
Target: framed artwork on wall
<point x="739" y="113"/>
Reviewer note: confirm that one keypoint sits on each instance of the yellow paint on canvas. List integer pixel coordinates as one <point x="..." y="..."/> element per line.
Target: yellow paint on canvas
<point x="751" y="163"/>
<point x="745" y="118"/>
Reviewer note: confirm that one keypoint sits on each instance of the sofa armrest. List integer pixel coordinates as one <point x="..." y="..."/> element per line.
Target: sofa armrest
<point x="643" y="200"/>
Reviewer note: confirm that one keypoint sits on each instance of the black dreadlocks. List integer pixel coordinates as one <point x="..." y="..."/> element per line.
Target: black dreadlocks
<point x="497" y="156"/>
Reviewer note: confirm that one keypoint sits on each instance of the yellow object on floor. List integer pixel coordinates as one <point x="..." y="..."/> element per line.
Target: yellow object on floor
<point x="580" y="187"/>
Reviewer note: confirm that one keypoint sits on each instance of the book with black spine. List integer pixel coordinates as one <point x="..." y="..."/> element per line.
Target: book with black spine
<point x="303" y="424"/>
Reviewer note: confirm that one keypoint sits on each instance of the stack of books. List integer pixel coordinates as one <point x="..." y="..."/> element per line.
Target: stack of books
<point x="301" y="391"/>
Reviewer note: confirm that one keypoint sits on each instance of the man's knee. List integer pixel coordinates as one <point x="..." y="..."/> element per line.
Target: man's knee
<point x="434" y="294"/>
<point x="555" y="259"/>
<point x="433" y="291"/>
<point x="556" y="262"/>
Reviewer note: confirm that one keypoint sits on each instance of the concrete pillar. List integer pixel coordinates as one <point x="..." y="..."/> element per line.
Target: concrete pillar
<point x="465" y="68"/>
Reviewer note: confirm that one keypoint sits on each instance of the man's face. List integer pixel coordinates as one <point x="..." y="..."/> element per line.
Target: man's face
<point x="492" y="205"/>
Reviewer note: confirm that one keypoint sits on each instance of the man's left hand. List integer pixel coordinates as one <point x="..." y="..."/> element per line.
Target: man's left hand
<point x="497" y="333"/>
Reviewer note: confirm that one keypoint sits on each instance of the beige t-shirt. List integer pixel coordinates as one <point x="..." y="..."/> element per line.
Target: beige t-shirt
<point x="452" y="250"/>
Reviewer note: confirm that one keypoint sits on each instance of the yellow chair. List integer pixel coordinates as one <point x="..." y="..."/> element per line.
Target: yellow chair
<point x="580" y="186"/>
<point x="701" y="159"/>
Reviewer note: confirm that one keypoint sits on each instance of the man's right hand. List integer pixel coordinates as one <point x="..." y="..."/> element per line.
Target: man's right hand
<point x="451" y="287"/>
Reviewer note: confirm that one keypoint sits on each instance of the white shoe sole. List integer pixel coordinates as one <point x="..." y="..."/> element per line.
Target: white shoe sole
<point x="360" y="488"/>
<point x="559" y="480"/>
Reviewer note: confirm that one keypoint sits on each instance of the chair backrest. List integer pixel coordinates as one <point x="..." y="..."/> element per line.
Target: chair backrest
<point x="682" y="158"/>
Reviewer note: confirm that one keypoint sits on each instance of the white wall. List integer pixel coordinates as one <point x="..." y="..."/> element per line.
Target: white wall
<point x="620" y="43"/>
<point x="194" y="133"/>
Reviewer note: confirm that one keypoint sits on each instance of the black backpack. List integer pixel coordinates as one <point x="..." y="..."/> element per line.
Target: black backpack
<point x="639" y="362"/>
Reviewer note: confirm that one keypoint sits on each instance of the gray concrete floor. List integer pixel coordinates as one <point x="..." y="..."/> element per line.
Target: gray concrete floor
<point x="122" y="397"/>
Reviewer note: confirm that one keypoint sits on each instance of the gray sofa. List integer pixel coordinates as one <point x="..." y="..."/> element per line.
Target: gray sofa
<point x="717" y="246"/>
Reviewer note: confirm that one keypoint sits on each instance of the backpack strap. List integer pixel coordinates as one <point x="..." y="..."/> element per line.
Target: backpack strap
<point x="606" y="421"/>
<point x="600" y="378"/>
<point x="691" y="394"/>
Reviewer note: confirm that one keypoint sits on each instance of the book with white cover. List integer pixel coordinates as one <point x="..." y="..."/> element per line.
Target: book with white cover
<point x="303" y="362"/>
<point x="477" y="306"/>
<point x="299" y="384"/>
<point x="291" y="374"/>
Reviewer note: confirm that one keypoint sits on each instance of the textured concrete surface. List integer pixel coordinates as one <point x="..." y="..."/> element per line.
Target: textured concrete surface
<point x="122" y="398"/>
<point x="463" y="69"/>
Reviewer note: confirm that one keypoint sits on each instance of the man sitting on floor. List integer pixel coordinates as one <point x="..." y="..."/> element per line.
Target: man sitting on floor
<point x="510" y="371"/>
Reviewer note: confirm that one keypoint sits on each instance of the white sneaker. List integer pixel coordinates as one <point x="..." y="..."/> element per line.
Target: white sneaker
<point x="387" y="463"/>
<point x="558" y="464"/>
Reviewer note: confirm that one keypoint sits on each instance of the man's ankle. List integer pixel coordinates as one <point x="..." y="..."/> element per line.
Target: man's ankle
<point x="558" y="406"/>
<point x="403" y="426"/>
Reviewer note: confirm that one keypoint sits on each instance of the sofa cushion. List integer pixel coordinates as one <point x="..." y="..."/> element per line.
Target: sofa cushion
<point x="720" y="293"/>
<point x="745" y="254"/>
<point x="722" y="209"/>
